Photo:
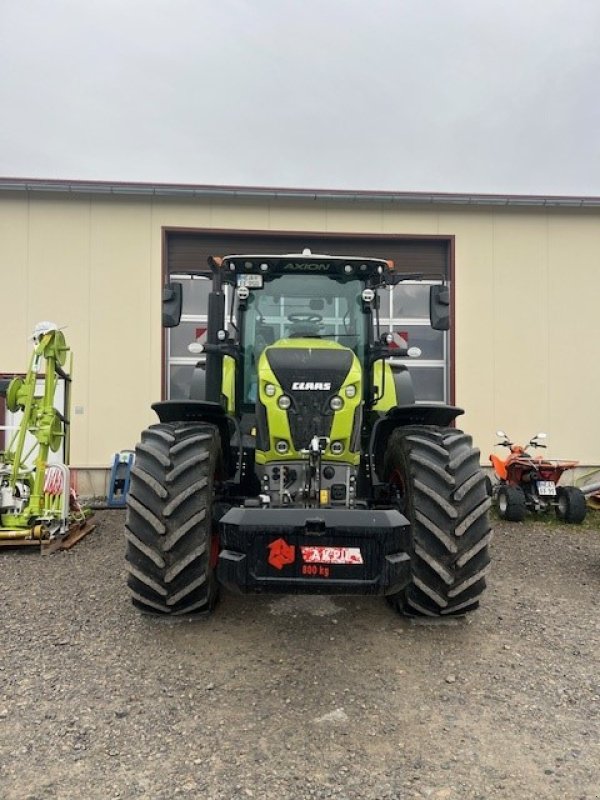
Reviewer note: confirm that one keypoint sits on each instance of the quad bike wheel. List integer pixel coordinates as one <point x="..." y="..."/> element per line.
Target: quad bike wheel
<point x="170" y="548"/>
<point x="512" y="505"/>
<point x="436" y="482"/>
<point x="571" y="505"/>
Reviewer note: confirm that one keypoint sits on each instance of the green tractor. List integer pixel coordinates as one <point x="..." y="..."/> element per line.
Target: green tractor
<point x="301" y="462"/>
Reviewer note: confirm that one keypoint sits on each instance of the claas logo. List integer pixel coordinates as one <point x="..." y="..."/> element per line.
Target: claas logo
<point x="281" y="553"/>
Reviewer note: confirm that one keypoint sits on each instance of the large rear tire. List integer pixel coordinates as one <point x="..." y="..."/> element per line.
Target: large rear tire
<point x="571" y="505"/>
<point x="169" y="523"/>
<point x="437" y="483"/>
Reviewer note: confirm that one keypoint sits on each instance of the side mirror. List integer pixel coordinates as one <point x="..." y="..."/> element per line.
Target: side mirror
<point x="439" y="307"/>
<point x="171" y="305"/>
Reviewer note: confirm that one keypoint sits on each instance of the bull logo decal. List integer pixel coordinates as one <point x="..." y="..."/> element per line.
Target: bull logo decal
<point x="281" y="553"/>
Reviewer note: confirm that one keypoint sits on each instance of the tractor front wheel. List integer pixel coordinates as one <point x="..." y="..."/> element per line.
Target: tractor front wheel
<point x="170" y="545"/>
<point x="571" y="505"/>
<point x="435" y="480"/>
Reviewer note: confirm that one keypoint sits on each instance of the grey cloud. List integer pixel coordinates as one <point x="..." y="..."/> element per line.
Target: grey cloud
<point x="405" y="95"/>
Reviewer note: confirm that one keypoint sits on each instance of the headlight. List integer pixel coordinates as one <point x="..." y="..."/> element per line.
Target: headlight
<point x="270" y="389"/>
<point x="284" y="402"/>
<point x="368" y="295"/>
<point x="281" y="446"/>
<point x="337" y="448"/>
<point x="336" y="403"/>
<point x="351" y="390"/>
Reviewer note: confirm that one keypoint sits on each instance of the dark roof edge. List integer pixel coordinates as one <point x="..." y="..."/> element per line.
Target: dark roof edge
<point x="267" y="193"/>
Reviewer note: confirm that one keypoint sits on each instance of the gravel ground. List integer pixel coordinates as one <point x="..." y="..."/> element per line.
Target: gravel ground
<point x="305" y="697"/>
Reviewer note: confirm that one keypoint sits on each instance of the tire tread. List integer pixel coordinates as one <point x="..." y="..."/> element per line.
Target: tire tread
<point x="447" y="506"/>
<point x="169" y="519"/>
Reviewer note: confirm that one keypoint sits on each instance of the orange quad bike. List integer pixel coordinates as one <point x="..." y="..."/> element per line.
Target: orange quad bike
<point x="526" y="482"/>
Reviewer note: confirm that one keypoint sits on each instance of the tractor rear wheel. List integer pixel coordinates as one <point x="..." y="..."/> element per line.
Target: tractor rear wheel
<point x="512" y="505"/>
<point x="170" y="546"/>
<point x="571" y="505"/>
<point x="436" y="481"/>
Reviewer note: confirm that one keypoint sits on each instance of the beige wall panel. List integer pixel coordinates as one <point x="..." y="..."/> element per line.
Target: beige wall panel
<point x="573" y="292"/>
<point x="180" y="213"/>
<point x="527" y="315"/>
<point x="59" y="250"/>
<point x="59" y="289"/>
<point x="354" y="218"/>
<point x="520" y="355"/>
<point x="399" y="220"/>
<point x="239" y="214"/>
<point x="290" y="216"/>
<point x="245" y="214"/>
<point x="14" y="281"/>
<point x="125" y="329"/>
<point x="473" y="328"/>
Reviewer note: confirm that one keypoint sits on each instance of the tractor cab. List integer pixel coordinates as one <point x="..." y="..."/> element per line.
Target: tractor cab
<point x="299" y="296"/>
<point x="301" y="303"/>
<point x="291" y="311"/>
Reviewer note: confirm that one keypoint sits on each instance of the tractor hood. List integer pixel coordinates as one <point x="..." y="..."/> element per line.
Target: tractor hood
<point x="320" y="382"/>
<point x="307" y="364"/>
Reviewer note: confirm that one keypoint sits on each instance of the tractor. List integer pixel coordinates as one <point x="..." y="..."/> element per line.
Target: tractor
<point x="301" y="462"/>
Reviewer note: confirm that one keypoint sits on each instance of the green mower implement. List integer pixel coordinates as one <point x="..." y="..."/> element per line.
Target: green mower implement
<point x="301" y="462"/>
<point x="37" y="505"/>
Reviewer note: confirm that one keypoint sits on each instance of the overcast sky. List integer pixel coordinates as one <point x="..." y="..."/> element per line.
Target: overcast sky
<point x="407" y="95"/>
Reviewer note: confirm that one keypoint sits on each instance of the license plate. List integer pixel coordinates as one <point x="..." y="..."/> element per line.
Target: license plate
<point x="251" y="281"/>
<point x="312" y="554"/>
<point x="546" y="488"/>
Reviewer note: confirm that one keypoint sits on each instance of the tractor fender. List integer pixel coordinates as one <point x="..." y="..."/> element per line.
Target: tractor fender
<point x="204" y="411"/>
<point x="198" y="390"/>
<point x="393" y="384"/>
<point x="405" y="393"/>
<point x="400" y="416"/>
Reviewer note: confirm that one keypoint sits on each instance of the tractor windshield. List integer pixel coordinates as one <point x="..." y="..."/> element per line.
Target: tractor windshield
<point x="300" y="306"/>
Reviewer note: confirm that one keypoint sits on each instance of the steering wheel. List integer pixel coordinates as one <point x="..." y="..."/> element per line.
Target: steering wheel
<point x="306" y="317"/>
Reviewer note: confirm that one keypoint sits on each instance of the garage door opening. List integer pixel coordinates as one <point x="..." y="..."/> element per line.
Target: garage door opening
<point x="404" y="309"/>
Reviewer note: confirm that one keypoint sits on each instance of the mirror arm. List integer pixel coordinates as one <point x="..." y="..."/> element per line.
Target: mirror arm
<point x="224" y="349"/>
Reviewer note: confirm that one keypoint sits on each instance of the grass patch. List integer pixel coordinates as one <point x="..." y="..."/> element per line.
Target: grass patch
<point x="549" y="519"/>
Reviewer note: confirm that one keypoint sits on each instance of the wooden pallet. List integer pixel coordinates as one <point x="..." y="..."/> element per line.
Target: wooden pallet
<point x="76" y="532"/>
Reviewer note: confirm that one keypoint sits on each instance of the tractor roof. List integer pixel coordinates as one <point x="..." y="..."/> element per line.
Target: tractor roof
<point x="302" y="263"/>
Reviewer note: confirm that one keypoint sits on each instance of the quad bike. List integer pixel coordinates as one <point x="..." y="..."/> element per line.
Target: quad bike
<point x="301" y="462"/>
<point x="526" y="482"/>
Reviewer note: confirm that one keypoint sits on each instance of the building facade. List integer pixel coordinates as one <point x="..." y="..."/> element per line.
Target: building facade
<point x="93" y="257"/>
